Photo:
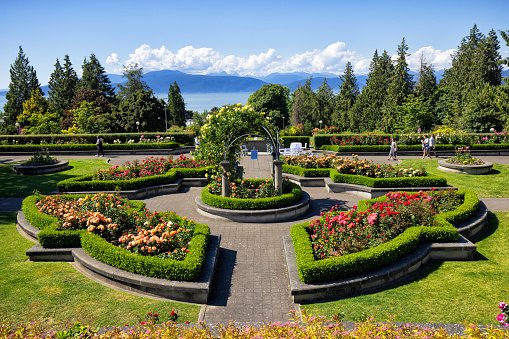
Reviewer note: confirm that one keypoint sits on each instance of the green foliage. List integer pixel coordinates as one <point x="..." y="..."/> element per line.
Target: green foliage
<point x="482" y="112"/>
<point x="142" y="107"/>
<point x="87" y="119"/>
<point x="62" y="85"/>
<point x="344" y="101"/>
<point x="306" y="172"/>
<point x="95" y="77"/>
<point x="429" y="180"/>
<point x="287" y="198"/>
<point x="176" y="106"/>
<point x="286" y="141"/>
<point x="225" y="126"/>
<point x="184" y="270"/>
<point x="415" y="113"/>
<point x="311" y="270"/>
<point x="38" y="116"/>
<point x="134" y="83"/>
<point x="272" y="99"/>
<point x="23" y="82"/>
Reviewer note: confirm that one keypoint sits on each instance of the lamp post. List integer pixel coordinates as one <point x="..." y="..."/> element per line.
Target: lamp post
<point x="320" y="122"/>
<point x="138" y="126"/>
<point x="17" y="127"/>
<point x="165" y="120"/>
<point x="283" y="123"/>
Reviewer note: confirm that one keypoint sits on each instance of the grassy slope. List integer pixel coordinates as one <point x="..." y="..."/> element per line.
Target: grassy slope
<point x="447" y="292"/>
<point x="17" y="186"/>
<point x="57" y="295"/>
<point x="487" y="186"/>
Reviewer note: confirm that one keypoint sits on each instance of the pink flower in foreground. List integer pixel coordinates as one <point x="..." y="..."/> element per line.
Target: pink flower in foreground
<point x="372" y="218"/>
<point x="501" y="305"/>
<point x="501" y="318"/>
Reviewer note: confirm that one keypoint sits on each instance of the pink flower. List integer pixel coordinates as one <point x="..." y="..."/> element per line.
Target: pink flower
<point x="501" y="318"/>
<point x="372" y="218"/>
<point x="501" y="305"/>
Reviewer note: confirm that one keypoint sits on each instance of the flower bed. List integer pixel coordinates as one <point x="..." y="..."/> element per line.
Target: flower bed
<point x="150" y="172"/>
<point x="291" y="193"/>
<point x="159" y="244"/>
<point x="463" y="157"/>
<point x="312" y="270"/>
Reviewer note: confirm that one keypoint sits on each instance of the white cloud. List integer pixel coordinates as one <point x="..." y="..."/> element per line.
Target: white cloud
<point x="113" y="59"/>
<point x="439" y="59"/>
<point x="204" y="60"/>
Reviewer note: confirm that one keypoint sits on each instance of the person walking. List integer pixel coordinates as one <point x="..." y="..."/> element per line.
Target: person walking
<point x="432" y="146"/>
<point x="99" y="144"/>
<point x="393" y="150"/>
<point x="425" y="146"/>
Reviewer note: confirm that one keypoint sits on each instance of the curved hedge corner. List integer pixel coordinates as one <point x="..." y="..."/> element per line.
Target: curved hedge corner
<point x="306" y="172"/>
<point x="429" y="180"/>
<point x="98" y="248"/>
<point x="85" y="182"/>
<point x="186" y="270"/>
<point x="311" y="270"/>
<point x="286" y="199"/>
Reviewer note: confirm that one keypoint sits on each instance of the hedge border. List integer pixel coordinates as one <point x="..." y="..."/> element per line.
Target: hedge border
<point x="213" y="200"/>
<point x="430" y="180"/>
<point x="314" y="271"/>
<point x="306" y="172"/>
<point x="85" y="182"/>
<point x="98" y="248"/>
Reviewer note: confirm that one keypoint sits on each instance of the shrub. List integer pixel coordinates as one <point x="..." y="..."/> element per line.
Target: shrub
<point x="430" y="180"/>
<point x="293" y="196"/>
<point x="306" y="172"/>
<point x="287" y="140"/>
<point x="311" y="270"/>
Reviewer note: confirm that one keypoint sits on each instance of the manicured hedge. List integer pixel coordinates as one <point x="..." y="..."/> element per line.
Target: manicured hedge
<point x="381" y="148"/>
<point x="48" y="237"/>
<point x="312" y="271"/>
<point x="252" y="204"/>
<point x="186" y="270"/>
<point x="429" y="180"/>
<point x="85" y="147"/>
<point x="289" y="139"/>
<point x="184" y="138"/>
<point x="306" y="172"/>
<point x="85" y="182"/>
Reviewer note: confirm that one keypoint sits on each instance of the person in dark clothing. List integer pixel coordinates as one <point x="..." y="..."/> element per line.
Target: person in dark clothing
<point x="99" y="144"/>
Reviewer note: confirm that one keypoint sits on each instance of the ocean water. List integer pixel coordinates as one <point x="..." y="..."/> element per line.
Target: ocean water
<point x="194" y="101"/>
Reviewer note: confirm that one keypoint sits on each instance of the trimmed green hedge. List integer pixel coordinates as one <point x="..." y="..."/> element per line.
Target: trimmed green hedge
<point x="85" y="147"/>
<point x="85" y="182"/>
<point x="252" y="204"/>
<point x="429" y="180"/>
<point x="311" y="270"/>
<point x="186" y="270"/>
<point x="48" y="237"/>
<point x="306" y="172"/>
<point x="289" y="139"/>
<point x="184" y="138"/>
<point x="381" y="148"/>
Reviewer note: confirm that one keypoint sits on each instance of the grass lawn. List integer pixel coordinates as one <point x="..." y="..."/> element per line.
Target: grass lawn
<point x="57" y="295"/>
<point x="19" y="186"/>
<point x="493" y="185"/>
<point x="447" y="292"/>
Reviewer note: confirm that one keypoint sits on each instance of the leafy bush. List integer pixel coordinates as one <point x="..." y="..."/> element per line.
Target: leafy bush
<point x="430" y="180"/>
<point x="311" y="270"/>
<point x="306" y="172"/>
<point x="288" y="198"/>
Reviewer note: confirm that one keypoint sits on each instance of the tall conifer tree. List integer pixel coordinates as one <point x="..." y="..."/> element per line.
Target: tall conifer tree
<point x="94" y="77"/>
<point x="176" y="106"/>
<point x="344" y="101"/>
<point x="23" y="82"/>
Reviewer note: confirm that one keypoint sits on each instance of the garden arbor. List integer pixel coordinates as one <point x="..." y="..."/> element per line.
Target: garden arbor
<point x="225" y="131"/>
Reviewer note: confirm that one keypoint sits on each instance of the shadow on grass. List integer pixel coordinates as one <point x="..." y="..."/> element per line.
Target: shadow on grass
<point x="492" y="227"/>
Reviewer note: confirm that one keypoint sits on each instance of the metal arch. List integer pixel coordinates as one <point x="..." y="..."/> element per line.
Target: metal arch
<point x="274" y="143"/>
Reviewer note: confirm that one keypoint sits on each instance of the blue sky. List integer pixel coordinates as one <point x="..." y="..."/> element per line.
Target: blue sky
<point x="244" y="37"/>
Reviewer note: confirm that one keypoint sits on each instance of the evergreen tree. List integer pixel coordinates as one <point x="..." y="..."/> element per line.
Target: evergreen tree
<point x="23" y="83"/>
<point x="477" y="61"/>
<point x="176" y="106"/>
<point x="344" y="101"/>
<point x="134" y="83"/>
<point x="325" y="103"/>
<point x="367" y="113"/>
<point x="273" y="101"/>
<point x="298" y="105"/>
<point x="427" y="81"/>
<point x="481" y="112"/>
<point x="400" y="87"/>
<point x="143" y="107"/>
<point x="94" y="77"/>
<point x="62" y="83"/>
<point x="310" y="110"/>
<point x="505" y="36"/>
<point x="102" y="109"/>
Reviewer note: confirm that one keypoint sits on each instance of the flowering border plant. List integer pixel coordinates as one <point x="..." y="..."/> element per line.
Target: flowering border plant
<point x="41" y="159"/>
<point x="503" y="317"/>
<point x="463" y="157"/>
<point x="339" y="233"/>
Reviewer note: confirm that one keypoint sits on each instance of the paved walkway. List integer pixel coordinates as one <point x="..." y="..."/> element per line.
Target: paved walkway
<point x="251" y="283"/>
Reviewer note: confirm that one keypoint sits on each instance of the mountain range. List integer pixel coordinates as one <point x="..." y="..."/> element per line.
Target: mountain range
<point x="159" y="81"/>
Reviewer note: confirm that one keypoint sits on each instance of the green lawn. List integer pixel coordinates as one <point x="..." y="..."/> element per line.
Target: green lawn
<point x="447" y="292"/>
<point x="487" y="186"/>
<point x="57" y="295"/>
<point x="19" y="186"/>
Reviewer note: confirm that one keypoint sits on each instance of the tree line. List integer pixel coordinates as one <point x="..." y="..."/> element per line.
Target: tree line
<point x="86" y="105"/>
<point x="470" y="96"/>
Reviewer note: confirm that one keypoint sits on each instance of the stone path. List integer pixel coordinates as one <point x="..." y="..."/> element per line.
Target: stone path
<point x="250" y="283"/>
